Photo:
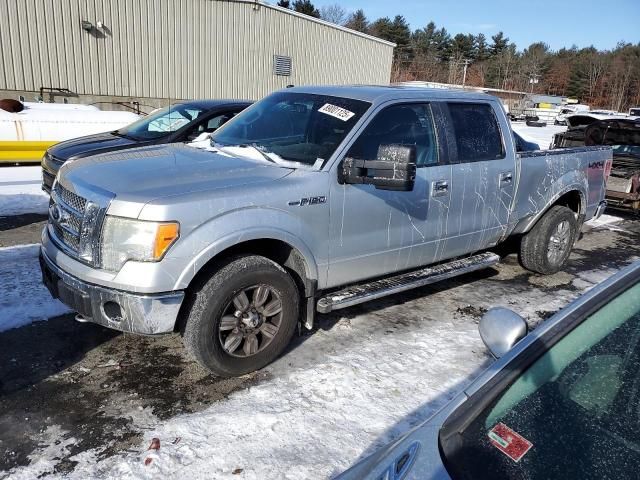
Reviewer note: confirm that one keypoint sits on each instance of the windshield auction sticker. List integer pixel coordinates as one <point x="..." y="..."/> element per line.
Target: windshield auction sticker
<point x="510" y="443"/>
<point x="337" y="112"/>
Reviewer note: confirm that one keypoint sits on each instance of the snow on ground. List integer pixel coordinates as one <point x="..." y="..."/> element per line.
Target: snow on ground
<point x="608" y="222"/>
<point x="541" y="135"/>
<point x="336" y="396"/>
<point x="20" y="191"/>
<point x="23" y="297"/>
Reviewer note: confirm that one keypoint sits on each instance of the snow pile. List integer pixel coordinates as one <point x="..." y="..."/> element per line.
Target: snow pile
<point x="23" y="297"/>
<point x="20" y="191"/>
<point x="541" y="135"/>
<point x="608" y="222"/>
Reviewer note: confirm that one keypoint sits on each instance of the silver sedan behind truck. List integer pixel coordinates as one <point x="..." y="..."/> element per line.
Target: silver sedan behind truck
<point x="312" y="199"/>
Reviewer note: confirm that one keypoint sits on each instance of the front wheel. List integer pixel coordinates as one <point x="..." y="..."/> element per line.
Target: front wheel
<point x="546" y="248"/>
<point x="243" y="317"/>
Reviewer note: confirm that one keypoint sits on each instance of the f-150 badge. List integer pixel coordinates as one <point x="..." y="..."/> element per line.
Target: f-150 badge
<point x="303" y="202"/>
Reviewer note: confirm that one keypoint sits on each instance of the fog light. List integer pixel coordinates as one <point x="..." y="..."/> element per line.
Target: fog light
<point x="113" y="311"/>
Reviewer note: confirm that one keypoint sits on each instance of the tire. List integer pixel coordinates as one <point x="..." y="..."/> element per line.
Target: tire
<point x="220" y="314"/>
<point x="537" y="251"/>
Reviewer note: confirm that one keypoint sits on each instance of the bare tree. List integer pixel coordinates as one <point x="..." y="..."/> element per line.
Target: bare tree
<point x="334" y="14"/>
<point x="597" y="65"/>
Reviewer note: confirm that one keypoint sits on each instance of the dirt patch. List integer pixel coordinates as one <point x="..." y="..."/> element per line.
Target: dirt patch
<point x="88" y="383"/>
<point x="21" y="229"/>
<point x="471" y="311"/>
<point x="544" y="314"/>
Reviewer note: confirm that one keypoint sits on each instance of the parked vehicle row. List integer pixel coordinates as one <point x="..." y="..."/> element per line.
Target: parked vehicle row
<point x="312" y="199"/>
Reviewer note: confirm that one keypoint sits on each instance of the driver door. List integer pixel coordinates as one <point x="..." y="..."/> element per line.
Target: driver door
<point x="374" y="232"/>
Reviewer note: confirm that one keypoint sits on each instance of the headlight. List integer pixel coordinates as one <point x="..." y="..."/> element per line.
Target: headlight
<point x="124" y="239"/>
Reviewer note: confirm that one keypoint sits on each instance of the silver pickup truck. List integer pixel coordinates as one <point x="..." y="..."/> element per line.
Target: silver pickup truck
<point x="311" y="200"/>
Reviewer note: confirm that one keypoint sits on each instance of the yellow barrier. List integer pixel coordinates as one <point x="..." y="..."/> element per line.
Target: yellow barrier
<point x="23" y="151"/>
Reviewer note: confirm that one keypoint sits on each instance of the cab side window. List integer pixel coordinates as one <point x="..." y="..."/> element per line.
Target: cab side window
<point x="477" y="133"/>
<point x="404" y="124"/>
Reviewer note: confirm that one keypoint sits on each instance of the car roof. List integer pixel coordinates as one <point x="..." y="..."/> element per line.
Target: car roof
<point x="213" y="103"/>
<point x="381" y="93"/>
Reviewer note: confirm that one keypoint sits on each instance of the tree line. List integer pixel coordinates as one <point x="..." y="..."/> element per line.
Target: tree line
<point x="601" y="78"/>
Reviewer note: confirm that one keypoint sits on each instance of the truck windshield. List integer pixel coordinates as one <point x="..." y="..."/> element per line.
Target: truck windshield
<point x="298" y="127"/>
<point x="574" y="413"/>
<point x="161" y="122"/>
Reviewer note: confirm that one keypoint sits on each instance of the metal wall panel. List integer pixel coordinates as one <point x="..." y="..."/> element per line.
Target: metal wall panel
<point x="177" y="48"/>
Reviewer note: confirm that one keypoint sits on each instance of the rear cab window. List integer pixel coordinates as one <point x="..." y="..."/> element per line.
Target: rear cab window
<point x="477" y="134"/>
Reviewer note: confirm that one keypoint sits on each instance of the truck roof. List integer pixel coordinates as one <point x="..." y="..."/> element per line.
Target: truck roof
<point x="380" y="93"/>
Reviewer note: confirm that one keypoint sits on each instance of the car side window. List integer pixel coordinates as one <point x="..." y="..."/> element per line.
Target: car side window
<point x="477" y="134"/>
<point x="209" y="126"/>
<point x="403" y="124"/>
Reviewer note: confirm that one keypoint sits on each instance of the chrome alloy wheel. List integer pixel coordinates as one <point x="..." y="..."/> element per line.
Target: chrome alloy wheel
<point x="559" y="243"/>
<point x="250" y="321"/>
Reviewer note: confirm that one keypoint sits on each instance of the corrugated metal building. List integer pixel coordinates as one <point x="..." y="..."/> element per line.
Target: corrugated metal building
<point x="177" y="49"/>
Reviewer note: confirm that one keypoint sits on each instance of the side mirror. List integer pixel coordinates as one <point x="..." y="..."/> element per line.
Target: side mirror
<point x="500" y="329"/>
<point x="393" y="169"/>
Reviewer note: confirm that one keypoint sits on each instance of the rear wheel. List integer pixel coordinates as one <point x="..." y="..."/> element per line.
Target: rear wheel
<point x="546" y="248"/>
<point x="243" y="317"/>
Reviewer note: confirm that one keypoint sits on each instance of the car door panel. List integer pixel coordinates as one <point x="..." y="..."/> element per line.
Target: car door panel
<point x="375" y="232"/>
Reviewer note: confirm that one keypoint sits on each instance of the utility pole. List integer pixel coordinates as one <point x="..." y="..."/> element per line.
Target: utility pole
<point x="467" y="62"/>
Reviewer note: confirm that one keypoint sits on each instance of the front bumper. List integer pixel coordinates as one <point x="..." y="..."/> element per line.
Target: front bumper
<point x="146" y="314"/>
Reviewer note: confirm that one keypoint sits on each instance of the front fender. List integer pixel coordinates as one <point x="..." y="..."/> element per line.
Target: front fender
<point x="209" y="239"/>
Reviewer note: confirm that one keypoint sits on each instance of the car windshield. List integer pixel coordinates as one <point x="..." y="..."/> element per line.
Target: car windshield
<point x="161" y="122"/>
<point x="295" y="127"/>
<point x="575" y="413"/>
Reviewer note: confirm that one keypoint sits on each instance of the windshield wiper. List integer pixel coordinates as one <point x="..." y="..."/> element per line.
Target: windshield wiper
<point x="260" y="150"/>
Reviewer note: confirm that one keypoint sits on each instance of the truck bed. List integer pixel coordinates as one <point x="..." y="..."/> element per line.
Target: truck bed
<point x="544" y="175"/>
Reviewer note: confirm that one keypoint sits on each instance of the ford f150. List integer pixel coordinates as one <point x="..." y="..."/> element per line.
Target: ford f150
<point x="311" y="200"/>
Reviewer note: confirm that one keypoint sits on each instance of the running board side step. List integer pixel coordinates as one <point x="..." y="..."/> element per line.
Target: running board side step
<point x="361" y="293"/>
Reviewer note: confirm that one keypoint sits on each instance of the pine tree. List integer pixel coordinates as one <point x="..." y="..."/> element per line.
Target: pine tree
<point x="358" y="21"/>
<point x="578" y="82"/>
<point x="499" y="45"/>
<point x="423" y="40"/>
<point x="481" y="47"/>
<point x="306" y="7"/>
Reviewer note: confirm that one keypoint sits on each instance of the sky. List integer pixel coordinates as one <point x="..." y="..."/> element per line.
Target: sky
<point x="559" y="23"/>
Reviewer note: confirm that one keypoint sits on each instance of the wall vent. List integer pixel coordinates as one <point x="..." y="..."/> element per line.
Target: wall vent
<point x="282" y="65"/>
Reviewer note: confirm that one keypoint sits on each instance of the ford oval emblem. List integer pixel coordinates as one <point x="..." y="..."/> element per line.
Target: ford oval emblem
<point x="55" y="212"/>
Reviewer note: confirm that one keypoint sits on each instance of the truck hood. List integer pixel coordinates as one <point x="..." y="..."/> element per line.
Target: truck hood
<point x="140" y="175"/>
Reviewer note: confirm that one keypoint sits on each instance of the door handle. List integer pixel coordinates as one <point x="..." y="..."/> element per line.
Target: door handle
<point x="506" y="178"/>
<point x="439" y="187"/>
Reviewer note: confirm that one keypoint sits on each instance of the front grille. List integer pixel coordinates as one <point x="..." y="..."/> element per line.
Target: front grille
<point x="70" y="240"/>
<point x="66" y="213"/>
<point x="47" y="180"/>
<point x="71" y="199"/>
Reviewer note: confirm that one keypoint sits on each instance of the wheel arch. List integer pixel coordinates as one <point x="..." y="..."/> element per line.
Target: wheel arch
<point x="572" y="197"/>
<point x="280" y="247"/>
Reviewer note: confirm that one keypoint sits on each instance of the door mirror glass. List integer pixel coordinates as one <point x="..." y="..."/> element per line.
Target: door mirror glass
<point x="500" y="329"/>
<point x="393" y="169"/>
